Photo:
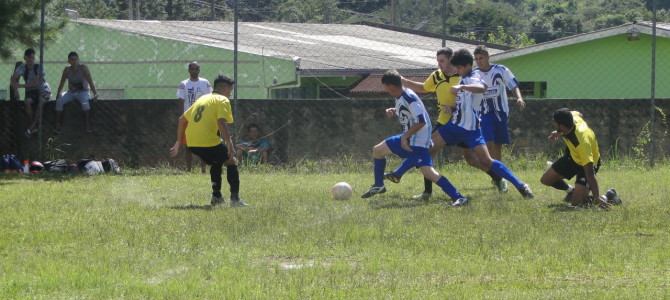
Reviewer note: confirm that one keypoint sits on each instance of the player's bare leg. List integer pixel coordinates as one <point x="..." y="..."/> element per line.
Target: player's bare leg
<point x="553" y="179"/>
<point x="438" y="145"/>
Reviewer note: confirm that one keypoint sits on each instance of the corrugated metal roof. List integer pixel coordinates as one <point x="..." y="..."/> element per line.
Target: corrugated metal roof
<point x="320" y="47"/>
<point x="372" y="85"/>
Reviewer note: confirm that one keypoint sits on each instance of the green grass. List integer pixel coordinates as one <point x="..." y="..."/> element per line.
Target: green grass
<point x="147" y="235"/>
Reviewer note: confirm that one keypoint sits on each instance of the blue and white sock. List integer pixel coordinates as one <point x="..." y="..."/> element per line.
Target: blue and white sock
<point x="380" y="166"/>
<point x="501" y="170"/>
<point x="448" y="188"/>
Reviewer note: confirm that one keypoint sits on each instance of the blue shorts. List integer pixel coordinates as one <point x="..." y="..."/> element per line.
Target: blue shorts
<point x="421" y="154"/>
<point x="452" y="134"/>
<point x="495" y="130"/>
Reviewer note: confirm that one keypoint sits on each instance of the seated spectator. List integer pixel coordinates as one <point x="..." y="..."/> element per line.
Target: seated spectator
<point x="37" y="89"/>
<point x="253" y="148"/>
<point x="79" y="82"/>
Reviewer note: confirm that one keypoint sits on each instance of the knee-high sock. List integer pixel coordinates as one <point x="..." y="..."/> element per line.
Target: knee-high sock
<point x="448" y="188"/>
<point x="404" y="166"/>
<point x="495" y="177"/>
<point x="380" y="165"/>
<point x="501" y="170"/>
<point x="215" y="175"/>
<point x="561" y="185"/>
<point x="233" y="177"/>
<point x="427" y="186"/>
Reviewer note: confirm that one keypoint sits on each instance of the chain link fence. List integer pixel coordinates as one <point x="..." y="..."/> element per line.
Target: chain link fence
<point x="315" y="82"/>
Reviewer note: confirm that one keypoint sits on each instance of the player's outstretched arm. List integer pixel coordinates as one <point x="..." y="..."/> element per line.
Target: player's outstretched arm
<point x="413" y="85"/>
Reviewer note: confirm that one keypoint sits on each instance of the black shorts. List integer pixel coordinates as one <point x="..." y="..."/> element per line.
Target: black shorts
<point x="33" y="96"/>
<point x="211" y="155"/>
<point x="568" y="168"/>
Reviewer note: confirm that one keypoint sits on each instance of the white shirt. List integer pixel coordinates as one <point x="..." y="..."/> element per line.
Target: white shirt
<point x="499" y="79"/>
<point x="410" y="111"/>
<point x="190" y="90"/>
<point x="468" y="104"/>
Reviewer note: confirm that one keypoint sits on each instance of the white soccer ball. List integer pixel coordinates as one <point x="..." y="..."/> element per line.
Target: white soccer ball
<point x="341" y="191"/>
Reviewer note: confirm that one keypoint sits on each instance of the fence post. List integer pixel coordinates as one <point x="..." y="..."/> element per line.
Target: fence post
<point x="652" y="120"/>
<point x="41" y="114"/>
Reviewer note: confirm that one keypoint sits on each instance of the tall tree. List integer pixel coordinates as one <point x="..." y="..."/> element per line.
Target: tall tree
<point x="20" y="25"/>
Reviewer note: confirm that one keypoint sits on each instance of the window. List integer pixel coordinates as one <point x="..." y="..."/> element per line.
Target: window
<point x="536" y="89"/>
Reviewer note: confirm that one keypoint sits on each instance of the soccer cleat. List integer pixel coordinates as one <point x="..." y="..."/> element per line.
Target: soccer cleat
<point x="392" y="178"/>
<point x="217" y="200"/>
<point x="526" y="192"/>
<point x="612" y="197"/>
<point x="460" y="202"/>
<point x="500" y="185"/>
<point x="238" y="203"/>
<point x="235" y="201"/>
<point x="423" y="196"/>
<point x="374" y="190"/>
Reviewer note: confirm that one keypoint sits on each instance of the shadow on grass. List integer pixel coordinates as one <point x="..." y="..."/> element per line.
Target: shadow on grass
<point x="395" y="201"/>
<point x="562" y="207"/>
<point x="192" y="207"/>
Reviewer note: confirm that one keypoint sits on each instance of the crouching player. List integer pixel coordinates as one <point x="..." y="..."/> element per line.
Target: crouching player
<point x="582" y="159"/>
<point x="412" y="145"/>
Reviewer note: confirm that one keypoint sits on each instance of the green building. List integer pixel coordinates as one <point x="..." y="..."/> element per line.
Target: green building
<point x="613" y="63"/>
<point x="148" y="59"/>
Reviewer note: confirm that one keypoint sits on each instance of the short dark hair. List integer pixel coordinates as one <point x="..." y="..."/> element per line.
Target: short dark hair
<point x="29" y="52"/>
<point x="481" y="49"/>
<point x="392" y="77"/>
<point x="563" y="116"/>
<point x="253" y="125"/>
<point x="462" y="57"/>
<point x="223" y="79"/>
<point x="446" y="51"/>
<point x="71" y="54"/>
<point x="193" y="63"/>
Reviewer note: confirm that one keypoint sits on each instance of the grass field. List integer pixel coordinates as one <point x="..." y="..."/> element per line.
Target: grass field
<point x="150" y="234"/>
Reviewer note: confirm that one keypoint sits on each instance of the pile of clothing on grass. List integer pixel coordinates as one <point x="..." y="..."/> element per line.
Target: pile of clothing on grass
<point x="11" y="164"/>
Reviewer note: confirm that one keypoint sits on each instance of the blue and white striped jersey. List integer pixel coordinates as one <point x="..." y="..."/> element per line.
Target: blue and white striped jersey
<point x="468" y="104"/>
<point x="410" y="111"/>
<point x="499" y="79"/>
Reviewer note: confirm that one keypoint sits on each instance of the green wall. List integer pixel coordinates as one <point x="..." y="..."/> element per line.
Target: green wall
<point x="609" y="68"/>
<point x="151" y="68"/>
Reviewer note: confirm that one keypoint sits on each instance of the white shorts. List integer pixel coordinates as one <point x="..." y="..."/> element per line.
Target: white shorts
<point x="81" y="96"/>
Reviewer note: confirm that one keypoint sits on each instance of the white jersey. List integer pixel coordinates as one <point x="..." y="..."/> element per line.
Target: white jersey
<point x="410" y="111"/>
<point x="192" y="90"/>
<point x="499" y="79"/>
<point x="468" y="104"/>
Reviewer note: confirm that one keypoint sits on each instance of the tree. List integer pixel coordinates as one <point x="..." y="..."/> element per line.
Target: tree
<point x="20" y="24"/>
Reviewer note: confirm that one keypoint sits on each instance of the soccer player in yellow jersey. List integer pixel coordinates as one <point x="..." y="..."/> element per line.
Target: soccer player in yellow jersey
<point x="582" y="159"/>
<point x="440" y="82"/>
<point x="200" y="126"/>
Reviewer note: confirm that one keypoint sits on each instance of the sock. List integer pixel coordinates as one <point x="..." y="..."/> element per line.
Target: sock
<point x="495" y="177"/>
<point x="405" y="165"/>
<point x="561" y="185"/>
<point x="380" y="165"/>
<point x="233" y="177"/>
<point x="427" y="186"/>
<point x="215" y="175"/>
<point x="448" y="188"/>
<point x="501" y="170"/>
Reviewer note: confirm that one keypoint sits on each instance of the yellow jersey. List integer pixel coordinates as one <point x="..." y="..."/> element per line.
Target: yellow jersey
<point x="203" y="116"/>
<point x="582" y="143"/>
<point x="441" y="84"/>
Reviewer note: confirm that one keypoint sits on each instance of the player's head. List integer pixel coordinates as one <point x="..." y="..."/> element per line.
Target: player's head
<point x="223" y="85"/>
<point x="462" y="60"/>
<point x="563" y="120"/>
<point x="443" y="56"/>
<point x="194" y="69"/>
<point x="253" y="131"/>
<point x="29" y="56"/>
<point x="391" y="80"/>
<point x="73" y="58"/>
<point x="482" y="56"/>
